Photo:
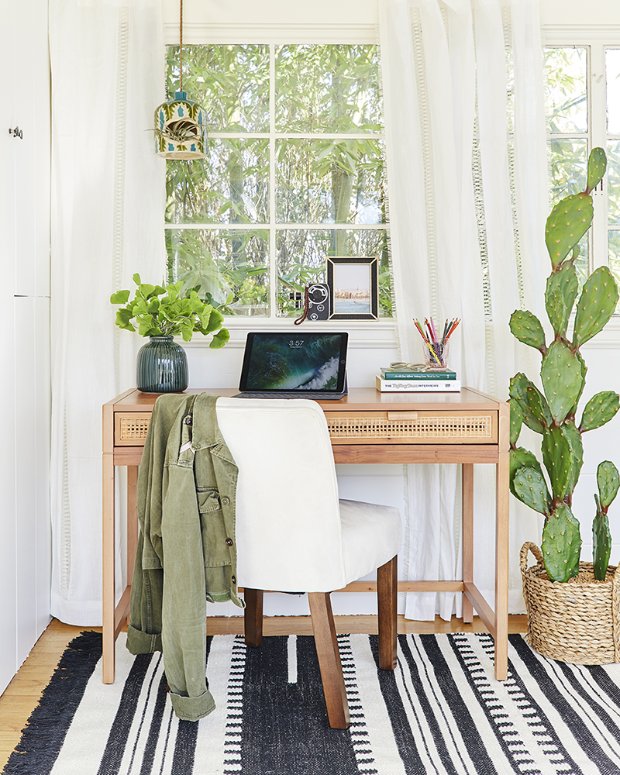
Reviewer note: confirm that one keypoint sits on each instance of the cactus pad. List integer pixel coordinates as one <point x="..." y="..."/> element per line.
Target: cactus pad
<point x="526" y="328"/>
<point x="562" y="379"/>
<point x="534" y="407"/>
<point x="608" y="481"/>
<point x="601" y="545"/>
<point x="600" y="409"/>
<point x="530" y="488"/>
<point x="561" y="544"/>
<point x="596" y="305"/>
<point x="563" y="457"/>
<point x="521" y="458"/>
<point x="570" y="219"/>
<point x="516" y="422"/>
<point x="597" y="164"/>
<point x="560" y="295"/>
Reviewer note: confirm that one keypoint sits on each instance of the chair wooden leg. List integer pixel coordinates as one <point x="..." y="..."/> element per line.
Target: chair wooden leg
<point x="253" y="616"/>
<point x="387" y="583"/>
<point x="329" y="660"/>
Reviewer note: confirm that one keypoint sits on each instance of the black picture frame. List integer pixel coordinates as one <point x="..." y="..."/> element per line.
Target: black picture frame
<point x="343" y="307"/>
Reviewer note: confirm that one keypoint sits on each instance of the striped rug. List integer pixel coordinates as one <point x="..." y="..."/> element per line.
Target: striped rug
<point x="439" y="712"/>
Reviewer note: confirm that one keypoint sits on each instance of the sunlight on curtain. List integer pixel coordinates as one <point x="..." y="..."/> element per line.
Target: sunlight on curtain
<point x="107" y="64"/>
<point x="467" y="184"/>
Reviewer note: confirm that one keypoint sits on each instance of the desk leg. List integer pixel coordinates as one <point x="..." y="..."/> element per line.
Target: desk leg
<point x="132" y="519"/>
<point x="501" y="546"/>
<point x="108" y="591"/>
<point x="468" y="536"/>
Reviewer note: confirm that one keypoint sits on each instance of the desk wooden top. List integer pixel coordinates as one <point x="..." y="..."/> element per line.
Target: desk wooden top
<point x="358" y="399"/>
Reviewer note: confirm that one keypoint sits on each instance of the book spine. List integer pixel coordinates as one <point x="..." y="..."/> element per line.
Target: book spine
<point x="422" y="375"/>
<point x="395" y="386"/>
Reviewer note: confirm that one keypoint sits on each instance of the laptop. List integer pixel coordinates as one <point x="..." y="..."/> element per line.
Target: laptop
<point x="299" y="365"/>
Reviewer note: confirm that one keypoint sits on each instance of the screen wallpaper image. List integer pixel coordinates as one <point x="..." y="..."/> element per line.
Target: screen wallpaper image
<point x="290" y="362"/>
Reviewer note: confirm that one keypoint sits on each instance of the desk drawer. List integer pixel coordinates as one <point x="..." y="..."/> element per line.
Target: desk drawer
<point x="423" y="427"/>
<point x="130" y="428"/>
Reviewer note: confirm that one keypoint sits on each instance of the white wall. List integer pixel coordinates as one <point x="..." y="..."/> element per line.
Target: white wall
<point x="24" y="322"/>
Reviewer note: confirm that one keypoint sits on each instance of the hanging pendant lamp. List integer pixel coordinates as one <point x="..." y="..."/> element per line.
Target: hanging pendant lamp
<point x="180" y="124"/>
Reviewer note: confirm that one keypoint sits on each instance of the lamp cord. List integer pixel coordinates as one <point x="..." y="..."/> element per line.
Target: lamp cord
<point x="181" y="43"/>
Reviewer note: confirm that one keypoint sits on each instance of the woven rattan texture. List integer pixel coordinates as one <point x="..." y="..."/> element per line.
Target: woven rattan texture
<point x="577" y="621"/>
<point x="132" y="429"/>
<point x="463" y="427"/>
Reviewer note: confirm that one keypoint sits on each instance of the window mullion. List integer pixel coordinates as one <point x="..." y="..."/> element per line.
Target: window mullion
<point x="273" y="273"/>
<point x="598" y="124"/>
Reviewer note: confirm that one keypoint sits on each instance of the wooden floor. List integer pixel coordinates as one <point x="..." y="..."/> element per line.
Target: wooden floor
<point x="23" y="693"/>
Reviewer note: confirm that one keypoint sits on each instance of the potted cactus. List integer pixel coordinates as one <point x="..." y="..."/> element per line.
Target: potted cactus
<point x="564" y="595"/>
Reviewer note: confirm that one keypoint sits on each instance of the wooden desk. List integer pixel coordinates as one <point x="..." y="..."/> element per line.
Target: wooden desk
<point x="365" y="427"/>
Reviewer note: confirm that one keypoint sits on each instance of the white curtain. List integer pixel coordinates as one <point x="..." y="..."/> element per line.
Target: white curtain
<point x="107" y="65"/>
<point x="467" y="187"/>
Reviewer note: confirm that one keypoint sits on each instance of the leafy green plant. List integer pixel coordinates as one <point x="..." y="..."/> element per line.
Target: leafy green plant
<point x="156" y="310"/>
<point x="553" y="412"/>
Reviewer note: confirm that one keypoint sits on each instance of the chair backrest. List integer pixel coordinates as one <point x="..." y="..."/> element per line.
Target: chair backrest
<point x="288" y="519"/>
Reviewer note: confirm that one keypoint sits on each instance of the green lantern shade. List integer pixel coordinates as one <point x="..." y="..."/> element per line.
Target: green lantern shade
<point x="180" y="128"/>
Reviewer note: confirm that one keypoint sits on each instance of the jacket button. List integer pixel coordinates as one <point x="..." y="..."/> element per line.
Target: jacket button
<point x="229" y="541"/>
<point x="225" y="500"/>
<point x="233" y="579"/>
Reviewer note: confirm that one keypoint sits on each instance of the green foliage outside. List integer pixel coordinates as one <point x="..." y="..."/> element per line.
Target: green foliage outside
<point x="318" y="89"/>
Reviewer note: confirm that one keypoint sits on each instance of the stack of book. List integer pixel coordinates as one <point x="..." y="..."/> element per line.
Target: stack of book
<point x="417" y="379"/>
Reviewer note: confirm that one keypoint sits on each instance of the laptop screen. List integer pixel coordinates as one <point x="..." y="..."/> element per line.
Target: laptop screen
<point x="284" y="361"/>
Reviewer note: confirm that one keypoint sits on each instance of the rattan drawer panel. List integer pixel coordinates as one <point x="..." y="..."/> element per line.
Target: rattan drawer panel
<point x="130" y="428"/>
<point x="413" y="427"/>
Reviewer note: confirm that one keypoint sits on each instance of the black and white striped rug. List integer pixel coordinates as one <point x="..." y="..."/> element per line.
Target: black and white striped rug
<point x="441" y="711"/>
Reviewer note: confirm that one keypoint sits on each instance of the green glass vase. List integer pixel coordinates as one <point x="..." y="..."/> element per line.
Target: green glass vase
<point x="162" y="366"/>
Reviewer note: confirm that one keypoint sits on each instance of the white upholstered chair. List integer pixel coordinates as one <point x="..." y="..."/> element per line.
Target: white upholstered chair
<point x="294" y="535"/>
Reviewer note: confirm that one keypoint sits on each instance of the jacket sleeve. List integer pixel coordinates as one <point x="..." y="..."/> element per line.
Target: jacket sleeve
<point x="184" y="597"/>
<point x="144" y="631"/>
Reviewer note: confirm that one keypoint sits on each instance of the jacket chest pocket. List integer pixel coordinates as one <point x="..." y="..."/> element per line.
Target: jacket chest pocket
<point x="216" y="550"/>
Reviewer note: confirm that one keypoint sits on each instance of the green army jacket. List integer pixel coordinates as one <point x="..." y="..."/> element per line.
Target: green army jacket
<point x="186" y="551"/>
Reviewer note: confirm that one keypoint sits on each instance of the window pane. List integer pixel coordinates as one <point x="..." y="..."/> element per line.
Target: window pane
<point x="301" y="260"/>
<point x="329" y="181"/>
<point x="568" y="159"/>
<point x="613" y="181"/>
<point x="230" y="186"/>
<point x="565" y="89"/>
<point x="328" y="88"/>
<point x="230" y="266"/>
<point x="230" y="82"/>
<point x="613" y="90"/>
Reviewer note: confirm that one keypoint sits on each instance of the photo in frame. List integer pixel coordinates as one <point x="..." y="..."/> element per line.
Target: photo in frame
<point x="353" y="285"/>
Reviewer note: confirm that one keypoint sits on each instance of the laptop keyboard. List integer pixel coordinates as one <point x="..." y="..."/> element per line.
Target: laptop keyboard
<point x="291" y="394"/>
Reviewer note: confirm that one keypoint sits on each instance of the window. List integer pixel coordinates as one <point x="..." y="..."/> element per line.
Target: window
<point x="583" y="111"/>
<point x="294" y="172"/>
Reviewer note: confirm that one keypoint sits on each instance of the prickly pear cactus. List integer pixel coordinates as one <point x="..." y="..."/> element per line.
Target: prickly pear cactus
<point x="561" y="544"/>
<point x="608" y="482"/>
<point x="560" y="295"/>
<point x="552" y="412"/>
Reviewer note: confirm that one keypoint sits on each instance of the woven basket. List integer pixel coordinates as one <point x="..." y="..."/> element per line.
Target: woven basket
<point x="577" y="621"/>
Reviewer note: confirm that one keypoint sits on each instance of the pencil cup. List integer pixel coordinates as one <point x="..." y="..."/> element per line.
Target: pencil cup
<point x="436" y="357"/>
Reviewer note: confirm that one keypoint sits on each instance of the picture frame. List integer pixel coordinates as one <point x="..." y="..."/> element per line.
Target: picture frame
<point x="353" y="287"/>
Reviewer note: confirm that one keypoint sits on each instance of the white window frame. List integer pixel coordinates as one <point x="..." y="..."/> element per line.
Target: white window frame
<point x="595" y="40"/>
<point x="367" y="334"/>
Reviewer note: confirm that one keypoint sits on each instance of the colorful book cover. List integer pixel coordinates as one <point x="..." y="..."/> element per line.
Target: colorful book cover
<point x="387" y="373"/>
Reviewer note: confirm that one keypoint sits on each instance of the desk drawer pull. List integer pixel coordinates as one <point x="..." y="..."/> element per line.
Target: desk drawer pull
<point x="402" y="415"/>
